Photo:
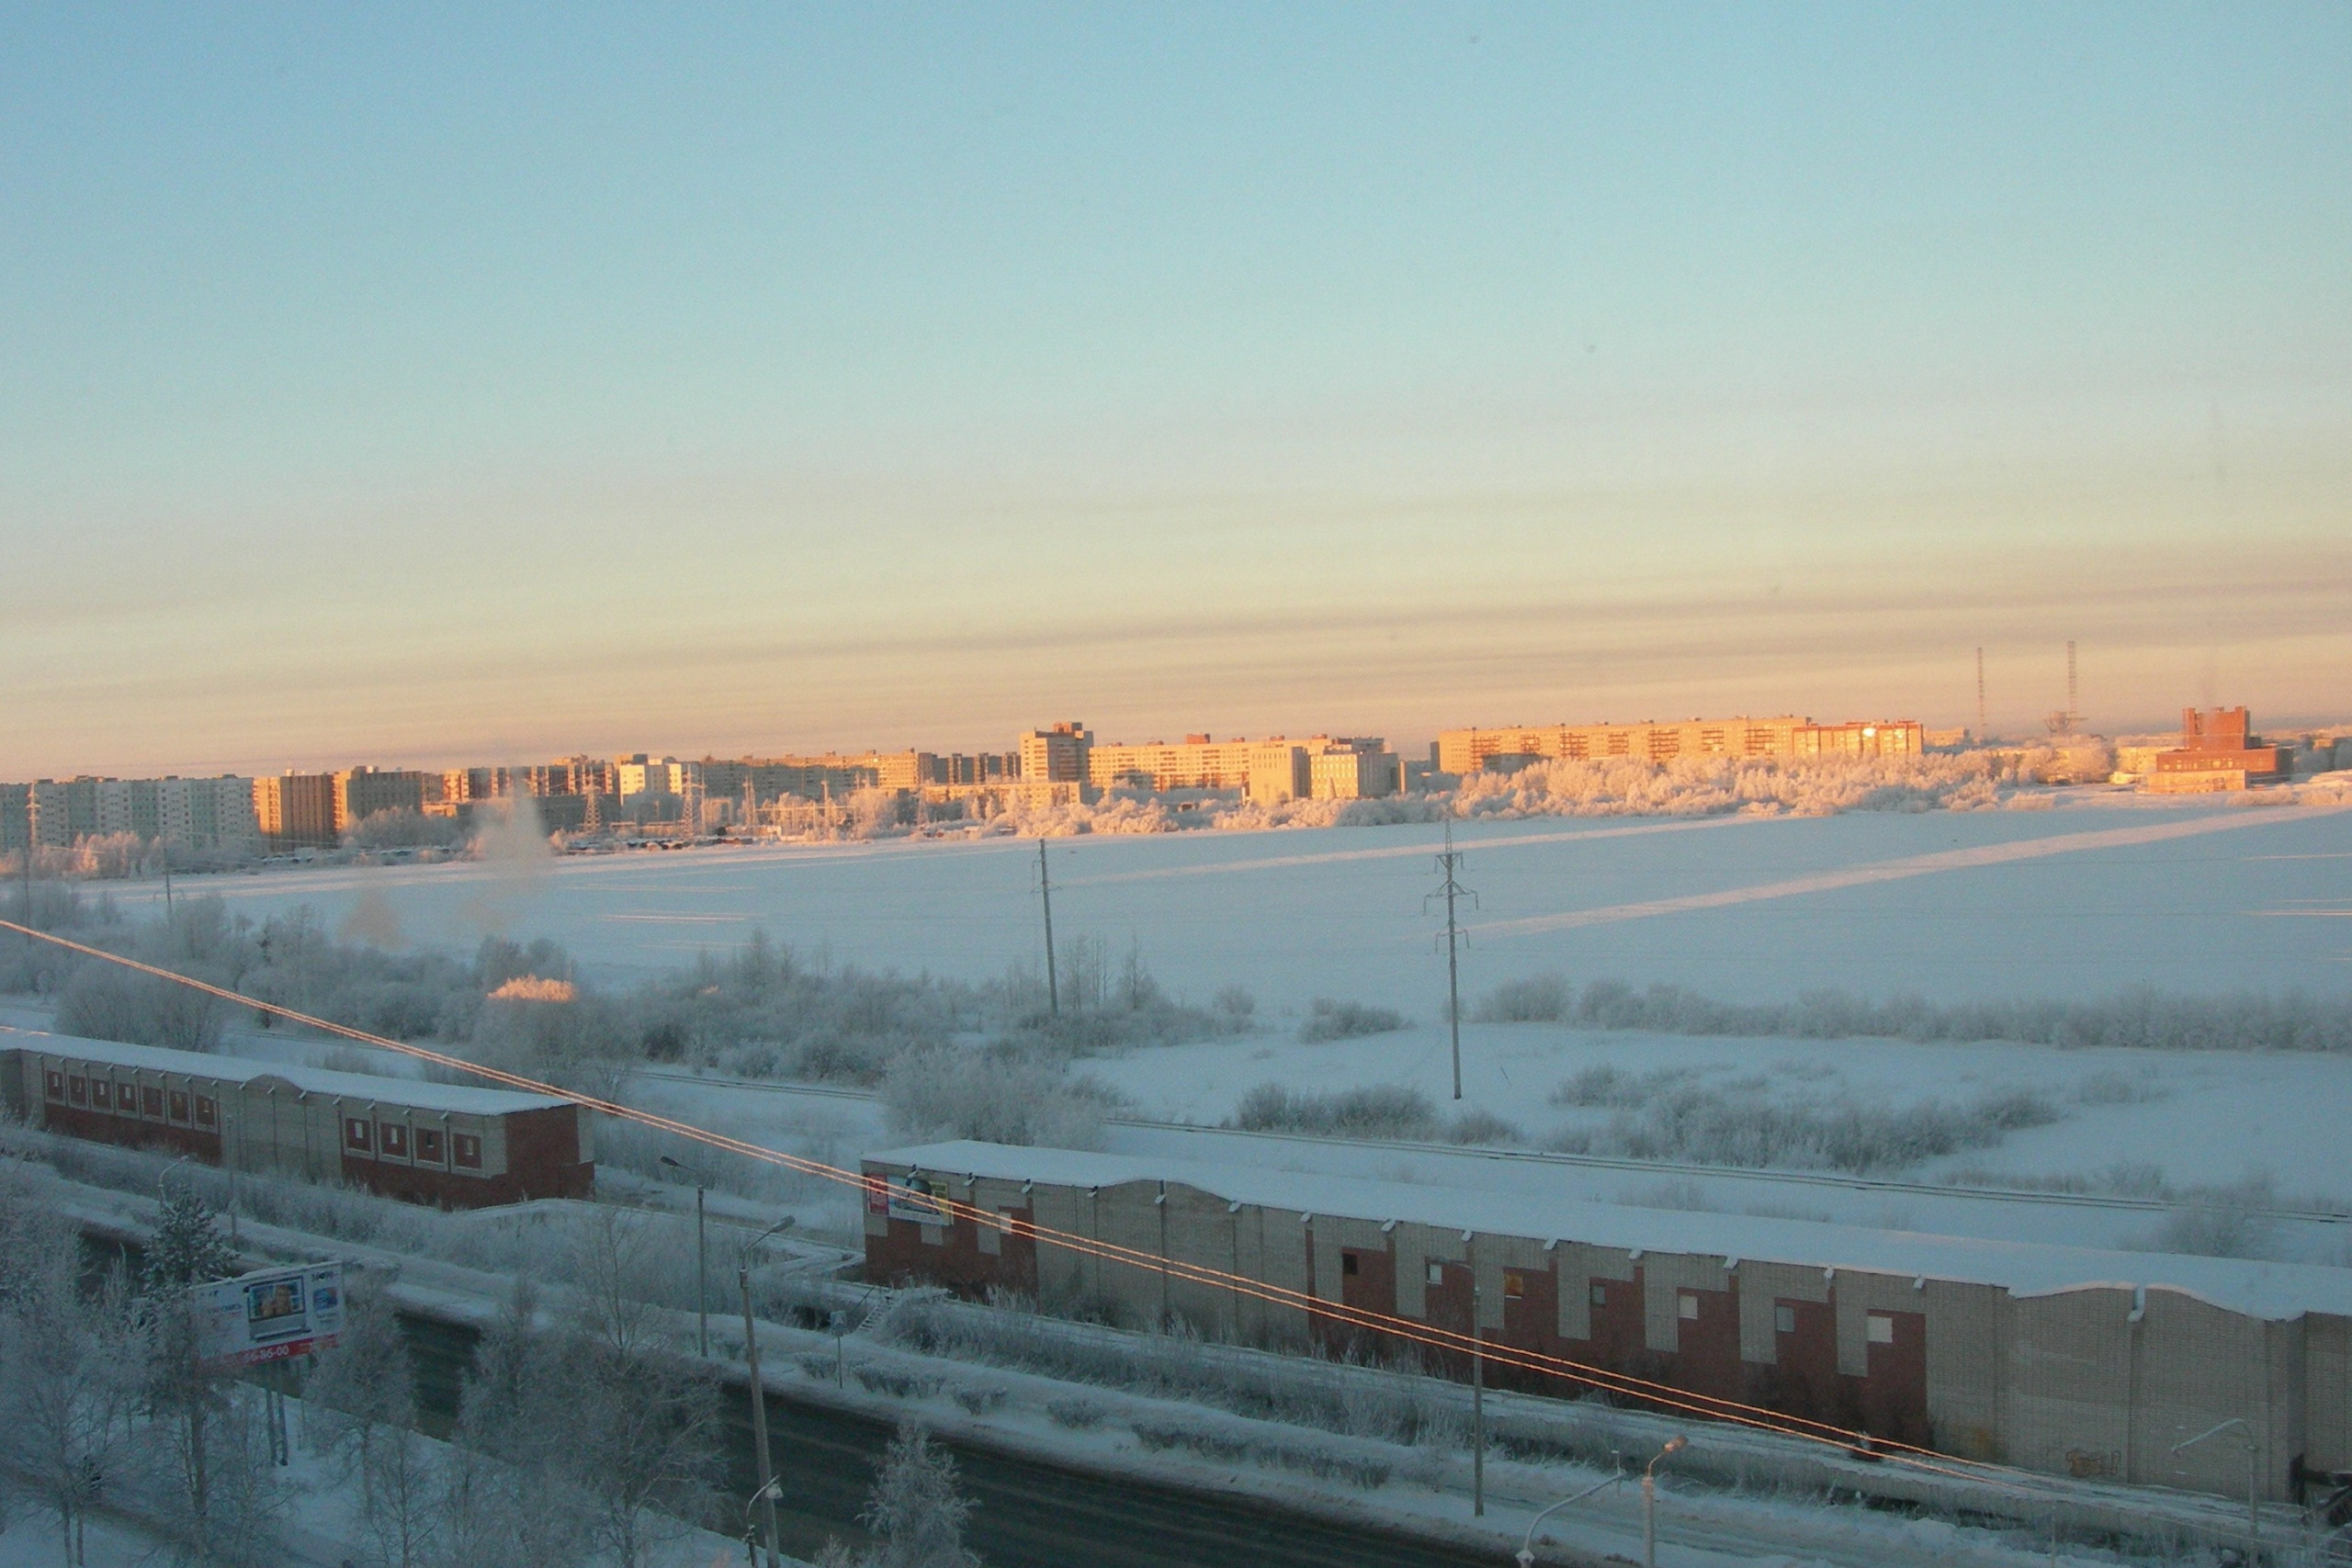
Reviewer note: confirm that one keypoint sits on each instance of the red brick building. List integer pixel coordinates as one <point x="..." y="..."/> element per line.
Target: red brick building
<point x="450" y="1144"/>
<point x="2218" y="751"/>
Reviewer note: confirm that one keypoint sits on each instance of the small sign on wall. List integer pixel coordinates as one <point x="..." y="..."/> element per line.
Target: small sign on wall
<point x="917" y="1198"/>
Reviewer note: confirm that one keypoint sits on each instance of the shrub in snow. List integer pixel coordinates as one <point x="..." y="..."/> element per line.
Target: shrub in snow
<point x="1376" y="1111"/>
<point x="103" y="1001"/>
<point x="1331" y="1020"/>
<point x="996" y="1096"/>
<point x="1541" y="998"/>
<point x="1077" y="1415"/>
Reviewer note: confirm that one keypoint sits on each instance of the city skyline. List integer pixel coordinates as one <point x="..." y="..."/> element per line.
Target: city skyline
<point x="445" y="387"/>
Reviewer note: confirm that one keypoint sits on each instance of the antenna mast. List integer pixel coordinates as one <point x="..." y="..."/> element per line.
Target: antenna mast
<point x="1983" y="729"/>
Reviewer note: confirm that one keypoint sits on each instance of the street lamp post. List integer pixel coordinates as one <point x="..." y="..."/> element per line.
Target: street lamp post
<point x="2253" y="1466"/>
<point x="1674" y="1445"/>
<point x="765" y="1496"/>
<point x="702" y="1262"/>
<point x="1527" y="1546"/>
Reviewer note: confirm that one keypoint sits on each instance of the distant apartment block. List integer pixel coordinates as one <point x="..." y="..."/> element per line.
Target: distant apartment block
<point x="1060" y="755"/>
<point x="206" y="814"/>
<point x="361" y="793"/>
<point x="15" y="816"/>
<point x="1470" y="750"/>
<point x="296" y="810"/>
<point x="2218" y="751"/>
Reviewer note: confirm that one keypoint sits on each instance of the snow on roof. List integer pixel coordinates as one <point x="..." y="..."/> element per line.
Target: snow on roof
<point x="418" y="1093"/>
<point x="2276" y="1290"/>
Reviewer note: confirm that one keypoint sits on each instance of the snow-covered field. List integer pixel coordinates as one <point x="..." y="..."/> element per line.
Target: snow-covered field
<point x="2103" y="892"/>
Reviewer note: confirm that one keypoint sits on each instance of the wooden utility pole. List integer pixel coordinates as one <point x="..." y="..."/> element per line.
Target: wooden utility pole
<point x="1046" y="888"/>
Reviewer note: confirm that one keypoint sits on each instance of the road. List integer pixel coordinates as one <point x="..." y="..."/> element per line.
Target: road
<point x="1028" y="1514"/>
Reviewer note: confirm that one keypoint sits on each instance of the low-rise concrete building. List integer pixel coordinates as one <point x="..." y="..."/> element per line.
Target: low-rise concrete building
<point x="450" y="1144"/>
<point x="2218" y="751"/>
<point x="2063" y="1360"/>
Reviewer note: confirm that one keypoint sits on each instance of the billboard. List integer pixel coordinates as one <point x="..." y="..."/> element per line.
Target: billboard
<point x="272" y="1314"/>
<point x="917" y="1198"/>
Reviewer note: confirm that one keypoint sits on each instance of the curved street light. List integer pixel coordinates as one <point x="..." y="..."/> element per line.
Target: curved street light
<point x="1527" y="1545"/>
<point x="1674" y="1445"/>
<point x="2253" y="1465"/>
<point x="765" y="1496"/>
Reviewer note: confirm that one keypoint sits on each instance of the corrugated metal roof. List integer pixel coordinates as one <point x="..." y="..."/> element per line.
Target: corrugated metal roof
<point x="2275" y="1290"/>
<point x="417" y="1093"/>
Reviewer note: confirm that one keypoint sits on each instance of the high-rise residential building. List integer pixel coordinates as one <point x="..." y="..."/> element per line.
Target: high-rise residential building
<point x="1058" y="755"/>
<point x="206" y="813"/>
<point x="1468" y="751"/>
<point x="1354" y="768"/>
<point x="126" y="806"/>
<point x="15" y="816"/>
<point x="296" y="810"/>
<point x="360" y="793"/>
<point x="64" y="810"/>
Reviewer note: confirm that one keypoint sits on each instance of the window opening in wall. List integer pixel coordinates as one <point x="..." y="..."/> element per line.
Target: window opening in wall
<point x="1600" y="1294"/>
<point x="428" y="1146"/>
<point x="1784" y="1320"/>
<point x="101" y="1093"/>
<point x="465" y="1150"/>
<point x="126" y="1098"/>
<point x="1437" y="1273"/>
<point x="179" y="1105"/>
<point x="53" y="1084"/>
<point x="78" y="1090"/>
<point x="393" y="1138"/>
<point x="1686" y="1304"/>
<point x="153" y="1100"/>
<point x="355" y="1133"/>
<point x="1514" y="1286"/>
<point x="1880" y="1328"/>
<point x="1350" y="1264"/>
<point x="207" y="1113"/>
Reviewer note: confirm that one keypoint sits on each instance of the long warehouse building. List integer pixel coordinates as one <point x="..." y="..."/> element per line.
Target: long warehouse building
<point x="450" y="1144"/>
<point x="2068" y="1361"/>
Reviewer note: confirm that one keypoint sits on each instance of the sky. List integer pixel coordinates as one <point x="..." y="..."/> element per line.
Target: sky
<point x="425" y="385"/>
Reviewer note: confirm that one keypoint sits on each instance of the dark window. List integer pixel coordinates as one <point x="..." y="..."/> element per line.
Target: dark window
<point x="126" y="1098"/>
<point x="78" y="1090"/>
<point x="207" y="1114"/>
<point x="1350" y="1264"/>
<point x="55" y="1083"/>
<point x="101" y="1094"/>
<point x="152" y="1099"/>
<point x="355" y="1133"/>
<point x="466" y="1149"/>
<point x="393" y="1138"/>
<point x="179" y="1105"/>
<point x="428" y="1146"/>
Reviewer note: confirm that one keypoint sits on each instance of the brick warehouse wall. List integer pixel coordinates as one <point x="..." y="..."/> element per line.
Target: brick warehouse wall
<point x="2095" y="1382"/>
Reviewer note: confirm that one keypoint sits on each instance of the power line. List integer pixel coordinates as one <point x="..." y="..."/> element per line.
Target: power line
<point x="1707" y="1406"/>
<point x="1455" y="939"/>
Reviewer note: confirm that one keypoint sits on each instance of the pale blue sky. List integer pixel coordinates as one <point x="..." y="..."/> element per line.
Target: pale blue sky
<point x="418" y="384"/>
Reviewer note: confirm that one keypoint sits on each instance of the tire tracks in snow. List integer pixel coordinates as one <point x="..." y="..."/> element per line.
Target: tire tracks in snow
<point x="1896" y="871"/>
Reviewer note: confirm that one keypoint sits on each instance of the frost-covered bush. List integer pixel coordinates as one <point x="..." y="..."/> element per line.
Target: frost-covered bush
<point x="1670" y="1115"/>
<point x="997" y="1097"/>
<point x="103" y="1001"/>
<point x="2145" y="1017"/>
<point x="1540" y="998"/>
<point x="1331" y="1020"/>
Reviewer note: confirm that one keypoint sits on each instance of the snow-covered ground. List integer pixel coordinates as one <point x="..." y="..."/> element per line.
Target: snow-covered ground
<point x="2104" y="892"/>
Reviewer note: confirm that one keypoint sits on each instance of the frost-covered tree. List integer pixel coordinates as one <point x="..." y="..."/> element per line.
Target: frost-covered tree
<point x="68" y="1378"/>
<point x="363" y="1400"/>
<point x="916" y="1511"/>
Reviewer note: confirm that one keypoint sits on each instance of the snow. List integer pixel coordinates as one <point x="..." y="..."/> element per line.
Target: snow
<point x="2102" y="893"/>
<point x="460" y="1099"/>
<point x="2277" y="1290"/>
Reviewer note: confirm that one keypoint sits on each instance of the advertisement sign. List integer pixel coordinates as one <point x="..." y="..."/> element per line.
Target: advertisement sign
<point x="273" y="1314"/>
<point x="917" y="1198"/>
